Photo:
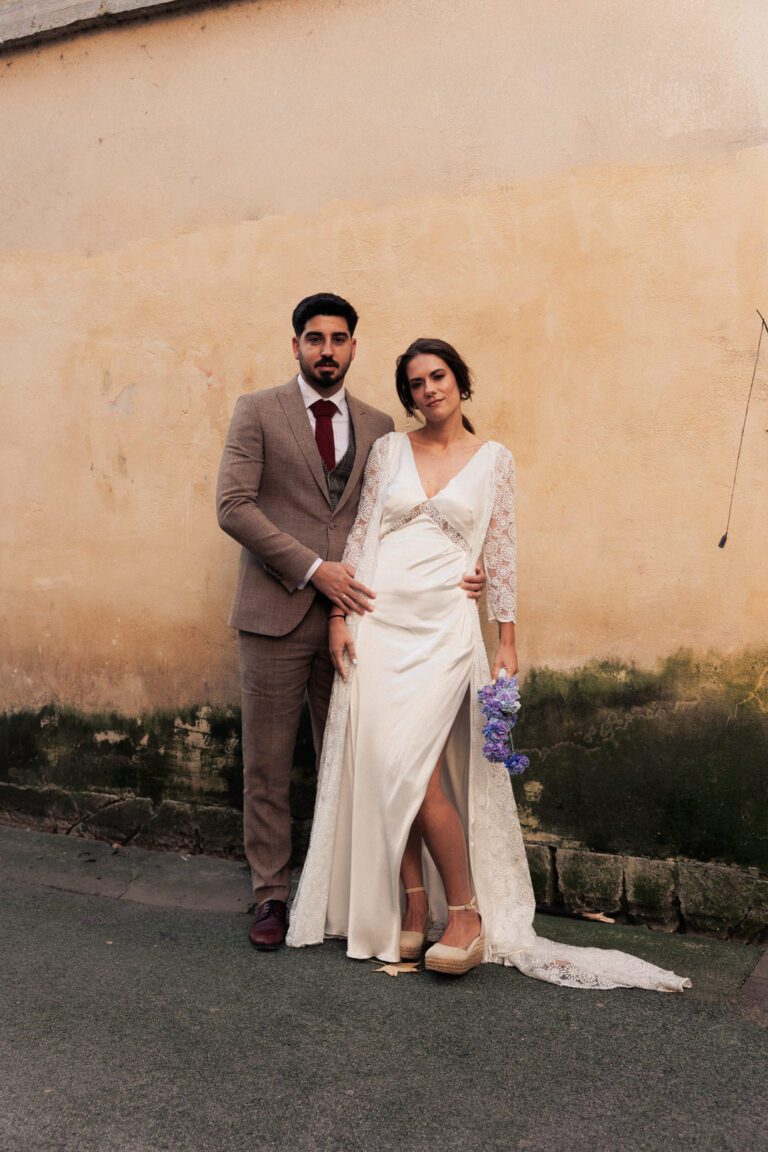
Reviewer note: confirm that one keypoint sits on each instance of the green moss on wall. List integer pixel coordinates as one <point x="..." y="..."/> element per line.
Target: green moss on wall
<point x="664" y="763"/>
<point x="192" y="754"/>
<point x="185" y="754"/>
<point x="671" y="763"/>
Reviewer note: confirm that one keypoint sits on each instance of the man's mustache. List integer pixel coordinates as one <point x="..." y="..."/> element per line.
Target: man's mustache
<point x="327" y="364"/>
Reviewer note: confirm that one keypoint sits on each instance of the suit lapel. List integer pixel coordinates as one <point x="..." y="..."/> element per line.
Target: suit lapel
<point x="292" y="404"/>
<point x="363" y="442"/>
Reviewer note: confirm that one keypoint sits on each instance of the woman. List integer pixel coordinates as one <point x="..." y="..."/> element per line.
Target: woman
<point x="408" y="813"/>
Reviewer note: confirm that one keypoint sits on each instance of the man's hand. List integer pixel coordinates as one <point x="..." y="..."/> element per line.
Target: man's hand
<point x="337" y="582"/>
<point x="341" y="644"/>
<point x="474" y="584"/>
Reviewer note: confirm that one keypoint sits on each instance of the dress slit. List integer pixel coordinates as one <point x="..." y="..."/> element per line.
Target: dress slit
<point x="387" y="779"/>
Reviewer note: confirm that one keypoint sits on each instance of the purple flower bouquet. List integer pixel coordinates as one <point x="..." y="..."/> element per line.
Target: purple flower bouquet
<point x="500" y="704"/>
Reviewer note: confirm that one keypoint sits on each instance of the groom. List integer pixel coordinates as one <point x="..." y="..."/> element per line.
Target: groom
<point x="289" y="485"/>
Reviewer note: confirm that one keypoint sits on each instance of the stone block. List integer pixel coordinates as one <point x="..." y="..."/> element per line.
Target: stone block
<point x="651" y="888"/>
<point x="172" y="827"/>
<point x="120" y="820"/>
<point x="301" y="830"/>
<point x="589" y="881"/>
<point x="46" y="803"/>
<point x="542" y="873"/>
<point x="219" y="830"/>
<point x="730" y="903"/>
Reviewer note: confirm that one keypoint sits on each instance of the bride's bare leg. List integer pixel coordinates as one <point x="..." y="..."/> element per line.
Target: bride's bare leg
<point x="416" y="908"/>
<point x="441" y="827"/>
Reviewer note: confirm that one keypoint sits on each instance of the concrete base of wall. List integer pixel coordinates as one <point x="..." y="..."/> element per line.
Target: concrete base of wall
<point x="673" y="895"/>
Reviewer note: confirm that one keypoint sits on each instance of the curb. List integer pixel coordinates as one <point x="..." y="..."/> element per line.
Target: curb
<point x="672" y="895"/>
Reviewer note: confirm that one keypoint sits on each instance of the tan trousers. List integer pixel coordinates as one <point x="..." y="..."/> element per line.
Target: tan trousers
<point x="275" y="674"/>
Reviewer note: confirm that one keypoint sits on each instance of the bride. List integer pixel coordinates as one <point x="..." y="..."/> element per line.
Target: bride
<point x="411" y="823"/>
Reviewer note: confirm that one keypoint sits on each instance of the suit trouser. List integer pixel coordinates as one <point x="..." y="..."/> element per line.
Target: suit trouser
<point x="275" y="674"/>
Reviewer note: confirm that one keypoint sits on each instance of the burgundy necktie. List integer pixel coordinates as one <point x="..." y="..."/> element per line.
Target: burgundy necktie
<point x="324" y="411"/>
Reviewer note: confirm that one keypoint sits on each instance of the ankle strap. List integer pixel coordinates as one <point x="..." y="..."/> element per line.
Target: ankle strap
<point x="471" y="907"/>
<point x="409" y="890"/>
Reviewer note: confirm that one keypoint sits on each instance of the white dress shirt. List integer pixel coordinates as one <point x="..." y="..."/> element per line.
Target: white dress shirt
<point x="340" y="422"/>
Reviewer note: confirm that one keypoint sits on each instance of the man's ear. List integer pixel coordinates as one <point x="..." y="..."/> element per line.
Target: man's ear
<point x="295" y="343"/>
<point x="353" y="342"/>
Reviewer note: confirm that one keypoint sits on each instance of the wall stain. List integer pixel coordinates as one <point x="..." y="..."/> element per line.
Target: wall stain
<point x="665" y="763"/>
<point x="190" y="754"/>
<point x="123" y="403"/>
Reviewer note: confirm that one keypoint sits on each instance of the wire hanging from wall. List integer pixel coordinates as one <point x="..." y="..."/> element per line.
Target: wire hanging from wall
<point x="763" y="328"/>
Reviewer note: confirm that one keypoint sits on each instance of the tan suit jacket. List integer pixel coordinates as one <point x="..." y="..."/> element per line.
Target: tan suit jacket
<point x="272" y="498"/>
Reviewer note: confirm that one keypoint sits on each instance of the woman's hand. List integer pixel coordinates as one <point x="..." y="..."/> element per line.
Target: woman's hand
<point x="506" y="658"/>
<point x="506" y="654"/>
<point x="341" y="645"/>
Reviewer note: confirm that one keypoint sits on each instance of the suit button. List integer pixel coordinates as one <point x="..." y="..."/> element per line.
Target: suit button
<point x="331" y="525"/>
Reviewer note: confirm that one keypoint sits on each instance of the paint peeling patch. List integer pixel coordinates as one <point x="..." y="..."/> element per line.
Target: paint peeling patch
<point x="110" y="737"/>
<point x="533" y="790"/>
<point x="53" y="583"/>
<point x="123" y="405"/>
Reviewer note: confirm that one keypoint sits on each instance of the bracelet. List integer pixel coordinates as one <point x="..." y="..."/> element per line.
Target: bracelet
<point x="336" y="616"/>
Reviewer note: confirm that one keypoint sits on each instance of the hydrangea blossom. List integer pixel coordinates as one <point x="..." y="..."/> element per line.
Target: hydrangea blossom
<point x="500" y="703"/>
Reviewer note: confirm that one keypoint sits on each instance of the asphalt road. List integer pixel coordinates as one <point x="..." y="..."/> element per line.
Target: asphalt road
<point x="130" y="1027"/>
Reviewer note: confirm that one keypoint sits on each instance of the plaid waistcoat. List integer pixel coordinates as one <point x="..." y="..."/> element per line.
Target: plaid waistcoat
<point x="338" y="477"/>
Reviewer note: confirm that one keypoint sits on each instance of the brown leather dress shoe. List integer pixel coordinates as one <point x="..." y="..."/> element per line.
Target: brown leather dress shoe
<point x="269" y="928"/>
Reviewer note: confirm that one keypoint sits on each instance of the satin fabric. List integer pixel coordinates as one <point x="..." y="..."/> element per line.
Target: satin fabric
<point x="415" y="662"/>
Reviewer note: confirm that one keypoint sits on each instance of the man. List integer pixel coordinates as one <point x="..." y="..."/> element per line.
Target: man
<point x="289" y="486"/>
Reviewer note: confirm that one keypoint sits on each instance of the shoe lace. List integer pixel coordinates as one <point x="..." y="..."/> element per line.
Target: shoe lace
<point x="268" y="908"/>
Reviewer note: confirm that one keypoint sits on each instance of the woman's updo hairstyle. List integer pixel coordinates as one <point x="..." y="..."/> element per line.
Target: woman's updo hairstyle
<point x="425" y="346"/>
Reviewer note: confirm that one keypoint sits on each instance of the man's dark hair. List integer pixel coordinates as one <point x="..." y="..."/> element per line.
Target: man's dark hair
<point x="323" y="304"/>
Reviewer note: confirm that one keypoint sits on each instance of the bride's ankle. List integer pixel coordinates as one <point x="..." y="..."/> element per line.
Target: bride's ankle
<point x="461" y="928"/>
<point x="416" y="909"/>
<point x="463" y="918"/>
<point x="415" y="897"/>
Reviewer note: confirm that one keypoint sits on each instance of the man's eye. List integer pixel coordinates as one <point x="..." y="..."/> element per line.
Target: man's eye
<point x="339" y="339"/>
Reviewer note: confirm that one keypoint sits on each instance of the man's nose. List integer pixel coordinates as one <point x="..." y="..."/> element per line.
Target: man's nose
<point x="328" y="348"/>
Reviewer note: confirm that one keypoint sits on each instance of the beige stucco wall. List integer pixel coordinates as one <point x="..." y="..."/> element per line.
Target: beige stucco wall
<point x="573" y="193"/>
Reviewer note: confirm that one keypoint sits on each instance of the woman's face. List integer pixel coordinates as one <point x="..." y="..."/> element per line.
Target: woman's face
<point x="434" y="390"/>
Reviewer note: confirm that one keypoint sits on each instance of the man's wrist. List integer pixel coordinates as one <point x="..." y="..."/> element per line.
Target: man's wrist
<point x="309" y="574"/>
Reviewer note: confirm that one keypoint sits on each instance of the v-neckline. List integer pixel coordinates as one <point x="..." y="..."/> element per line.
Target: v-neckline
<point x="455" y="475"/>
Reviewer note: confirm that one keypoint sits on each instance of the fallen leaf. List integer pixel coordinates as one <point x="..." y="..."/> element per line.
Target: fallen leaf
<point x="599" y="916"/>
<point x="398" y="969"/>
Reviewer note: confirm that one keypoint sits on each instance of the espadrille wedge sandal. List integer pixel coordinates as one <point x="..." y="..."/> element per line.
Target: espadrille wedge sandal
<point x="451" y="961"/>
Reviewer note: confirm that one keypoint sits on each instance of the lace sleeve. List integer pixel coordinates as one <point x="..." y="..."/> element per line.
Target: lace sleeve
<point x="500" y="549"/>
<point x="374" y="471"/>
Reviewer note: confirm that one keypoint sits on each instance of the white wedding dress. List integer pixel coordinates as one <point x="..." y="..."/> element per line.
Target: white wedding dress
<point x="421" y="660"/>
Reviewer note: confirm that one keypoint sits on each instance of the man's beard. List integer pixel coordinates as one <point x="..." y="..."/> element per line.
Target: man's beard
<point x="320" y="379"/>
